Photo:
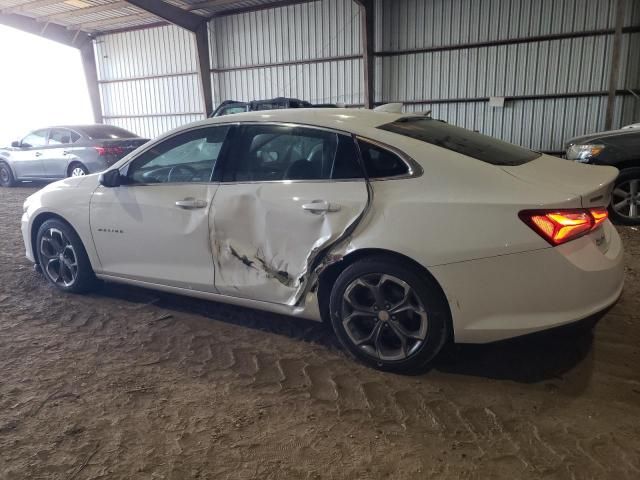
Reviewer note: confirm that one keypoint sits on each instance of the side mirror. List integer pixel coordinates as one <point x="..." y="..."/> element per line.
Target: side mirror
<point x="110" y="178"/>
<point x="15" y="144"/>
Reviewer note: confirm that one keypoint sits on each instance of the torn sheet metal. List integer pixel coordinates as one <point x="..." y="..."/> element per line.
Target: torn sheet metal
<point x="267" y="247"/>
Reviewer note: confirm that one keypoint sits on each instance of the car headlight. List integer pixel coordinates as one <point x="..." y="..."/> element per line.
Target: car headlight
<point x="582" y="153"/>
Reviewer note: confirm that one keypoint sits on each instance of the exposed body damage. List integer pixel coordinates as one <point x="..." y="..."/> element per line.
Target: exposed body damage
<point x="267" y="246"/>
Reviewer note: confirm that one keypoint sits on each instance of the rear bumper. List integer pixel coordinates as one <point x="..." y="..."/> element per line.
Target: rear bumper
<point x="511" y="295"/>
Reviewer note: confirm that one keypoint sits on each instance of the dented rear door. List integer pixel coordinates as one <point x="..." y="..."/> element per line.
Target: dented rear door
<point x="267" y="224"/>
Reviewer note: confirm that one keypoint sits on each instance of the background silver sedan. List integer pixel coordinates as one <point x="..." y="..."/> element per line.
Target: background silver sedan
<point x="65" y="151"/>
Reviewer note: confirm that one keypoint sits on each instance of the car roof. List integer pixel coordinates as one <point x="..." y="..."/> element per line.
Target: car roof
<point x="77" y="127"/>
<point x="348" y="119"/>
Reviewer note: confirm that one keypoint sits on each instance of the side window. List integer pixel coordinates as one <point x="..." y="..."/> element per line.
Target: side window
<point x="61" y="136"/>
<point x="270" y="152"/>
<point x="346" y="165"/>
<point x="381" y="163"/>
<point x="233" y="109"/>
<point x="187" y="157"/>
<point x="35" y="139"/>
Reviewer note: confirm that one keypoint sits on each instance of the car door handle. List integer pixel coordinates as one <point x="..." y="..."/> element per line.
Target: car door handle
<point x="38" y="154"/>
<point x="66" y="152"/>
<point x="191" y="203"/>
<point x="320" y="206"/>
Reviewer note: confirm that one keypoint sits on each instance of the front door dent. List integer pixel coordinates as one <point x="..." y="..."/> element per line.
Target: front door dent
<point x="267" y="246"/>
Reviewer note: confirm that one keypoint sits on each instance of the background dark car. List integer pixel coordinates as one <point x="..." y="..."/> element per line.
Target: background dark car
<point x="65" y="151"/>
<point x="621" y="149"/>
<point x="233" y="106"/>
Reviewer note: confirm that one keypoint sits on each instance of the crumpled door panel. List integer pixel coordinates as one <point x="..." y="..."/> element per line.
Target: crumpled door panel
<point x="263" y="241"/>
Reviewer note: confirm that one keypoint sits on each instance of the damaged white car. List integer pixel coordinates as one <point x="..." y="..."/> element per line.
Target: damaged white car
<point x="402" y="231"/>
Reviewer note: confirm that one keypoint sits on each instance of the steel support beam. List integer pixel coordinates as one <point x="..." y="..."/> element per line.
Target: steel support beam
<point x="204" y="68"/>
<point x="614" y="70"/>
<point x="367" y="25"/>
<point x="196" y="24"/>
<point x="170" y="13"/>
<point x="91" y="76"/>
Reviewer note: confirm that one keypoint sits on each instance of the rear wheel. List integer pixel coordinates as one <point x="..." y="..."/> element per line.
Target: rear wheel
<point x="625" y="198"/>
<point x="6" y="176"/>
<point x="62" y="257"/>
<point x="389" y="315"/>
<point x="77" y="170"/>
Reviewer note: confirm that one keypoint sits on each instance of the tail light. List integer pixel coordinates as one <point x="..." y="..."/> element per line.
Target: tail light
<point x="104" y="151"/>
<point x="599" y="215"/>
<point x="560" y="226"/>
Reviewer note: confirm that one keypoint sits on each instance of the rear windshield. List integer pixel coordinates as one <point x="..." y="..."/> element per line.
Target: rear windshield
<point x="107" y="132"/>
<point x="461" y="140"/>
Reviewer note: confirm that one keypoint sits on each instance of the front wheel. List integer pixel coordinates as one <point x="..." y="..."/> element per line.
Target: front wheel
<point x="625" y="198"/>
<point x="62" y="257"/>
<point x="389" y="314"/>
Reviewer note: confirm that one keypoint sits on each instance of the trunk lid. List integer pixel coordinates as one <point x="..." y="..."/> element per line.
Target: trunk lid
<point x="126" y="145"/>
<point x="114" y="150"/>
<point x="593" y="184"/>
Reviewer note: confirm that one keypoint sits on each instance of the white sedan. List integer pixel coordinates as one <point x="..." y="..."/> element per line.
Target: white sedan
<point x="403" y="231"/>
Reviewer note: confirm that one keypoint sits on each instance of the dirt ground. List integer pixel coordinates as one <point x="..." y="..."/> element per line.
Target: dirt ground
<point x="133" y="384"/>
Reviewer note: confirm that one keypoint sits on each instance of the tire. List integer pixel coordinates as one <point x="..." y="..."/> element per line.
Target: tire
<point x="421" y="314"/>
<point x="6" y="175"/>
<point x="626" y="184"/>
<point x="77" y="169"/>
<point x="62" y="257"/>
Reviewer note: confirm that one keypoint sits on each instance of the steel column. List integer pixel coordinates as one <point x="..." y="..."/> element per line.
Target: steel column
<point x="615" y="65"/>
<point x="204" y="68"/>
<point x="367" y="8"/>
<point x="91" y="75"/>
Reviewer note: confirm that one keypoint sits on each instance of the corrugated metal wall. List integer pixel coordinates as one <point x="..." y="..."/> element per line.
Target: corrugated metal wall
<point x="252" y="53"/>
<point x="148" y="79"/>
<point x="429" y="55"/>
<point x="628" y="108"/>
<point x="454" y="82"/>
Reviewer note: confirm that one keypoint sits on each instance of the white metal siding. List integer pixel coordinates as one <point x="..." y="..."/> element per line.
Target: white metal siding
<point x="148" y="79"/>
<point x="546" y="121"/>
<point x="250" y="49"/>
<point x="313" y="51"/>
<point x="549" y="67"/>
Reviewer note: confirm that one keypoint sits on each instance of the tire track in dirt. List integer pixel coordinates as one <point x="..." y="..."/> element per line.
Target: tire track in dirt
<point x="245" y="363"/>
<point x="415" y="412"/>
<point x="321" y="386"/>
<point x="199" y="355"/>
<point x="350" y="395"/>
<point x="294" y="376"/>
<point x="268" y="374"/>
